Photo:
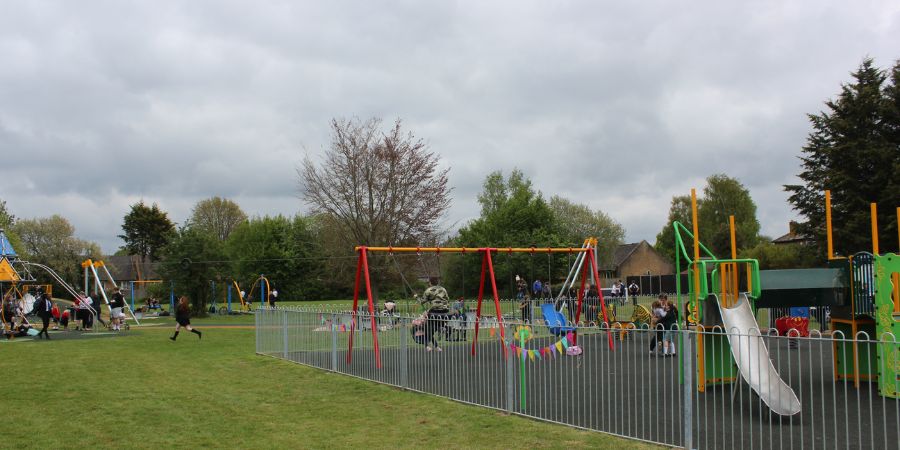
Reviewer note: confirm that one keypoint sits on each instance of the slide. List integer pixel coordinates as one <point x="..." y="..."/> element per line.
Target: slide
<point x="752" y="358"/>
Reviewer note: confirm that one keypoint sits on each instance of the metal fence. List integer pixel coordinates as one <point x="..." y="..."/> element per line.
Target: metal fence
<point x="608" y="380"/>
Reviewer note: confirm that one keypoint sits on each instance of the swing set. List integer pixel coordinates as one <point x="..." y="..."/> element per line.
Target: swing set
<point x="262" y="283"/>
<point x="487" y="271"/>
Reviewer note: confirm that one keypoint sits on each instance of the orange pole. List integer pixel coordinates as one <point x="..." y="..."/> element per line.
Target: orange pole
<point x="734" y="266"/>
<point x="874" y="210"/>
<point x="828" y="224"/>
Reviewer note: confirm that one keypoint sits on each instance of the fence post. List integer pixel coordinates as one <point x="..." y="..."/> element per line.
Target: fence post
<point x="284" y="323"/>
<point x="510" y="382"/>
<point x="688" y="388"/>
<point x="256" y="323"/>
<point x="404" y="356"/>
<point x="334" y="359"/>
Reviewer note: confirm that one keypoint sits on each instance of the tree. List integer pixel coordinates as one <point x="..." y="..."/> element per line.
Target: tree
<point x="217" y="216"/>
<point x="513" y="214"/>
<point x="51" y="241"/>
<point x="376" y="188"/>
<point x="147" y="230"/>
<point x="283" y="250"/>
<point x="722" y="197"/>
<point x="7" y="219"/>
<point x="854" y="151"/>
<point x="785" y="256"/>
<point x="190" y="260"/>
<point x="679" y="210"/>
<point x="382" y="188"/>
<point x="577" y="221"/>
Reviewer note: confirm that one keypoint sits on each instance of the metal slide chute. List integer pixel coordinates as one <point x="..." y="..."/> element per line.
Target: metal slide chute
<point x="752" y="358"/>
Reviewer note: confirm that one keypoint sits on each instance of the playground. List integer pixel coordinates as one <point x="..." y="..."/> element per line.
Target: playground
<point x="732" y="382"/>
<point x="566" y="358"/>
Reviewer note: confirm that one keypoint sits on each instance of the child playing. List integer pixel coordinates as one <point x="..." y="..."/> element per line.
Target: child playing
<point x="670" y="323"/>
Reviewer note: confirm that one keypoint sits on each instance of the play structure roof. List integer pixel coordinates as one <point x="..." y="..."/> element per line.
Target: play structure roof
<point x="6" y="249"/>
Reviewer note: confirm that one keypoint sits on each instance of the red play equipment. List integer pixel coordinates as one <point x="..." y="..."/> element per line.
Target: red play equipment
<point x="487" y="269"/>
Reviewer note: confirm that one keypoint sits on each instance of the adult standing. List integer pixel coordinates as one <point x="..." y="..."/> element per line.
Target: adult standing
<point x="43" y="308"/>
<point x="183" y="318"/>
<point x="633" y="291"/>
<point x="84" y="310"/>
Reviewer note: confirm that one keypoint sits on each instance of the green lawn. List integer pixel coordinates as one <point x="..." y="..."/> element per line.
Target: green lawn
<point x="143" y="391"/>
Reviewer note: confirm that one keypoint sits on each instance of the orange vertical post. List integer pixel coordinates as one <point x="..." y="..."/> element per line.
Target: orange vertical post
<point x="734" y="266"/>
<point x="874" y="211"/>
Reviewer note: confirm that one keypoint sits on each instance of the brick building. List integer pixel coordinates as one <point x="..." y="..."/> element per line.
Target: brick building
<point x="637" y="259"/>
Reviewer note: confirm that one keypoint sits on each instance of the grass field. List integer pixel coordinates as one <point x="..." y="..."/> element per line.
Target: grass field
<point x="141" y="390"/>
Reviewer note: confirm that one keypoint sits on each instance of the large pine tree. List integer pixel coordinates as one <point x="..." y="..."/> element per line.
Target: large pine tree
<point x="853" y="150"/>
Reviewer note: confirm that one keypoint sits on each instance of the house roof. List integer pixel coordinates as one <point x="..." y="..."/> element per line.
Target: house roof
<point x="620" y="255"/>
<point x="792" y="236"/>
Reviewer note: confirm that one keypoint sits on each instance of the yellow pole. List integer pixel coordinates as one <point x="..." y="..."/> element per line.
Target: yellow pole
<point x="701" y="359"/>
<point x="828" y="224"/>
<point x="874" y="209"/>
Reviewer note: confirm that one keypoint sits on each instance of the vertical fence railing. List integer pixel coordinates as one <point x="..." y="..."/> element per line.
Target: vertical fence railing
<point x="570" y="376"/>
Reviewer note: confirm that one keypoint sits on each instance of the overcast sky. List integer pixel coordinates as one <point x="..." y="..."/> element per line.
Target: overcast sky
<point x="618" y="105"/>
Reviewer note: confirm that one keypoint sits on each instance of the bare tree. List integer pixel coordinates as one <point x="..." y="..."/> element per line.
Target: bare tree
<point x="381" y="188"/>
<point x="217" y="216"/>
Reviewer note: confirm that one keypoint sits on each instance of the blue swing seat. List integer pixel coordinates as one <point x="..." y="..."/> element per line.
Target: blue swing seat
<point x="555" y="320"/>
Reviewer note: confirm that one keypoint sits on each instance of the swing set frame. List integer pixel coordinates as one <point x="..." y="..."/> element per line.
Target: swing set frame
<point x="487" y="270"/>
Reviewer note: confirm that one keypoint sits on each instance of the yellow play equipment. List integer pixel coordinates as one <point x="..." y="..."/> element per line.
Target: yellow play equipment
<point x="264" y="288"/>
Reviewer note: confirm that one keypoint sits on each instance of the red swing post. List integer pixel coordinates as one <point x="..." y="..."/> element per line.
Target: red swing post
<point x="596" y="273"/>
<point x="362" y="267"/>
<point x="487" y="267"/>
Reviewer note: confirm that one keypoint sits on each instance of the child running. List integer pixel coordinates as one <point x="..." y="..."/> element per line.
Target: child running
<point x="183" y="318"/>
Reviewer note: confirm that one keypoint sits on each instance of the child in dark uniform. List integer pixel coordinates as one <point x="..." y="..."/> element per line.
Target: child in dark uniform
<point x="183" y="318"/>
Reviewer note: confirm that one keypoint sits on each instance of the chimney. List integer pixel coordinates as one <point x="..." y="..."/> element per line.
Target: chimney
<point x="792" y="227"/>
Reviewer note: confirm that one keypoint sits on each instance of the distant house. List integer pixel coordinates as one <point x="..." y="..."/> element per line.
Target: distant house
<point x="792" y="236"/>
<point x="127" y="269"/>
<point x="634" y="260"/>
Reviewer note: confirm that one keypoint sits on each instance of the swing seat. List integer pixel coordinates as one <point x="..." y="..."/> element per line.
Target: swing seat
<point x="554" y="320"/>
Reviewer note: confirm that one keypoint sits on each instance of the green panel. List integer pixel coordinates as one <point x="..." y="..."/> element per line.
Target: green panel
<point x="803" y="287"/>
<point x="887" y="322"/>
<point x="866" y="352"/>
<point x="718" y="360"/>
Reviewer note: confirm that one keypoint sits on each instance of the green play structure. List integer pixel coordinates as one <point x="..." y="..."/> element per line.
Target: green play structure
<point x="887" y="270"/>
<point x="726" y="294"/>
